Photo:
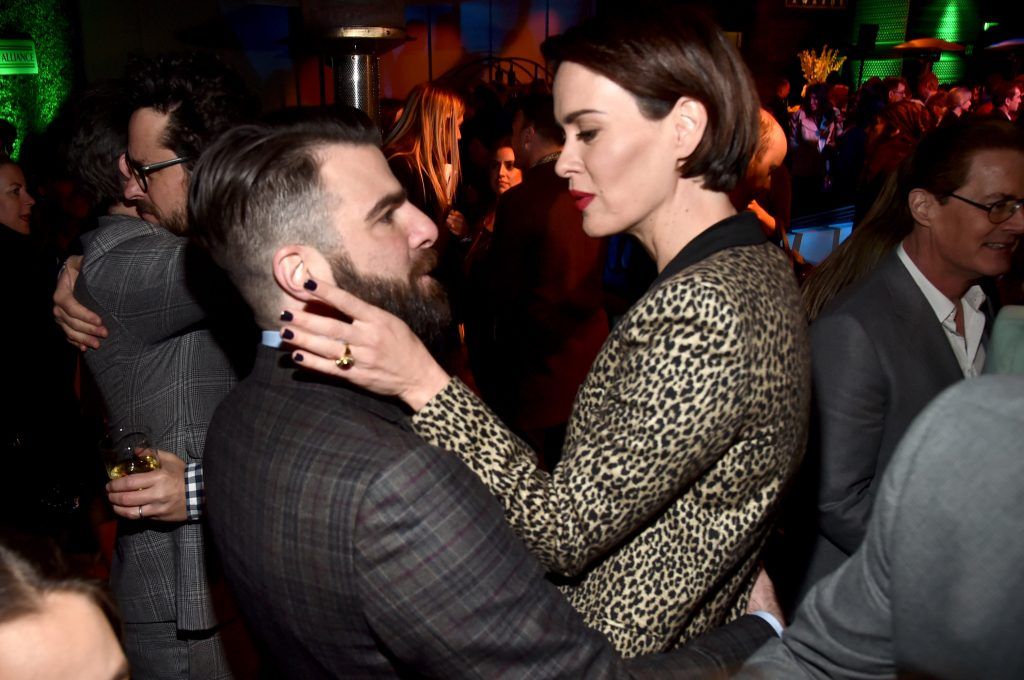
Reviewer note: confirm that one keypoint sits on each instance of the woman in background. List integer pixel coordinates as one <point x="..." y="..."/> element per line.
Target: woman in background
<point x="502" y="175"/>
<point x="479" y="315"/>
<point x="423" y="152"/>
<point x="693" y="416"/>
<point x="811" y="140"/>
<point x="43" y="469"/>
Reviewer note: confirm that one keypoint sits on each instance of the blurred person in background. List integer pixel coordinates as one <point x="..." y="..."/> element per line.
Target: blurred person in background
<point x="44" y="466"/>
<point x="811" y="141"/>
<point x="959" y="105"/>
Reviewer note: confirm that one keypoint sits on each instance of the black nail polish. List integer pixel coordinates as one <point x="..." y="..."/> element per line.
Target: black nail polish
<point x="310" y="284"/>
<point x="298" y="357"/>
<point x="287" y="334"/>
<point x="286" y="315"/>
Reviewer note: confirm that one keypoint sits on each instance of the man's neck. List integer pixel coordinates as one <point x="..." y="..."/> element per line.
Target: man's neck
<point x="539" y="152"/>
<point x="924" y="256"/>
<point x="122" y="209"/>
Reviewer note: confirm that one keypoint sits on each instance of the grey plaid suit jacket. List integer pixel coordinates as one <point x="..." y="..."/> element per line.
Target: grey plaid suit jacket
<point x="160" y="368"/>
<point x="357" y="550"/>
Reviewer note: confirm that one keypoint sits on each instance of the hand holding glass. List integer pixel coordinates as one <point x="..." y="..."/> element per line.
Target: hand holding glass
<point x="127" y="452"/>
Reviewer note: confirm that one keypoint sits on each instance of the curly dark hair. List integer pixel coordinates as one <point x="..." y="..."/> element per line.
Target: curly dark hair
<point x="203" y="97"/>
<point x="99" y="138"/>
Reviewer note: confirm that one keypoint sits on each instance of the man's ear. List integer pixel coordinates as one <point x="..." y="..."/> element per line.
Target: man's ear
<point x="528" y="133"/>
<point x="295" y="264"/>
<point x="688" y="119"/>
<point x="921" y="204"/>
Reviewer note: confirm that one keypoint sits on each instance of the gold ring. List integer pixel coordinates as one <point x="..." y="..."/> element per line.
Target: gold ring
<point x="345" y="361"/>
<point x="140" y="512"/>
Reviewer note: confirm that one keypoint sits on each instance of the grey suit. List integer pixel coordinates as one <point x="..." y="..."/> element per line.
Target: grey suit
<point x="935" y="589"/>
<point x="161" y="368"/>
<point x="879" y="356"/>
<point x="358" y="550"/>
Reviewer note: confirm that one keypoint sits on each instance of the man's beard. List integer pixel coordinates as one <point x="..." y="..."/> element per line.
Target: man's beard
<point x="176" y="223"/>
<point x="421" y="303"/>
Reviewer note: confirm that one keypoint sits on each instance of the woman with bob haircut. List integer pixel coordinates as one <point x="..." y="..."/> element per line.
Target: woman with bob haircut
<point x="693" y="416"/>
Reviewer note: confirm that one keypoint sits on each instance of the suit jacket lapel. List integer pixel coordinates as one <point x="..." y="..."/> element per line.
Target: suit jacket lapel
<point x="917" y="317"/>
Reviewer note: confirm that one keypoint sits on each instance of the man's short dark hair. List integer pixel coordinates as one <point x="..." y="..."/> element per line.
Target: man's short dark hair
<point x="660" y="52"/>
<point x="893" y="82"/>
<point x="1003" y="92"/>
<point x="766" y="124"/>
<point x="99" y="138"/>
<point x="538" y="111"/>
<point x="258" y="188"/>
<point x="203" y="97"/>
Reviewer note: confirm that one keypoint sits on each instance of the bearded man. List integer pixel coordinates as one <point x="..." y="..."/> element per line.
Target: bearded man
<point x="167" y="338"/>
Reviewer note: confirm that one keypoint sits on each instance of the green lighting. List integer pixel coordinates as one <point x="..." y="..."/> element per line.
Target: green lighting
<point x="30" y="102"/>
<point x="950" y="22"/>
<point x="989" y="24"/>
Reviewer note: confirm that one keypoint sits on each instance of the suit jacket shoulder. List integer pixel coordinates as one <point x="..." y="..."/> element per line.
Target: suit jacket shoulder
<point x="372" y="553"/>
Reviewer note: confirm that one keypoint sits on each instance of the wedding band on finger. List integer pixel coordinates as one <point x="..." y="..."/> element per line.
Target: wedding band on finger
<point x="345" y="361"/>
<point x="140" y="513"/>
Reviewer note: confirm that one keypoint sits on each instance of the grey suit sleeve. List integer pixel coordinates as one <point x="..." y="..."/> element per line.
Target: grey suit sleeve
<point x="144" y="284"/>
<point x="843" y="627"/>
<point x="850" y="398"/>
<point x="451" y="592"/>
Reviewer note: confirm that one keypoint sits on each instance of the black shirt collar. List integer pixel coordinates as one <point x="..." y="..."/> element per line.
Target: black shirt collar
<point x="742" y="229"/>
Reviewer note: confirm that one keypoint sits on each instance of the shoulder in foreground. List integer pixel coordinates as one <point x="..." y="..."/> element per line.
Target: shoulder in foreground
<point x="995" y="394"/>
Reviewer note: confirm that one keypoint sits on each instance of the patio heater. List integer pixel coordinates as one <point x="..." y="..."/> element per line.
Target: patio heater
<point x="351" y="35"/>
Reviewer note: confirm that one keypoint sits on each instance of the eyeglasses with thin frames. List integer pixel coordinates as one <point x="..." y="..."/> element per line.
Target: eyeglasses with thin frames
<point x="142" y="172"/>
<point x="998" y="212"/>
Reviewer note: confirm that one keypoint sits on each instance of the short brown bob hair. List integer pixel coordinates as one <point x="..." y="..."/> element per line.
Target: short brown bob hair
<point x="662" y="53"/>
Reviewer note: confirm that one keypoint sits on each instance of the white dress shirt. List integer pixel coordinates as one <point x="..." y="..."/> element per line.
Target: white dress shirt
<point x="969" y="351"/>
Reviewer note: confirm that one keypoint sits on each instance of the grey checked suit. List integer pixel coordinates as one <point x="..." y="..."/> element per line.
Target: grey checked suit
<point x="935" y="589"/>
<point x="357" y="550"/>
<point x="161" y="368"/>
<point x="879" y="356"/>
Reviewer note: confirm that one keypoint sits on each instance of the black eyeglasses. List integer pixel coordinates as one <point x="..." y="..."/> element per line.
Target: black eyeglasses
<point x="141" y="172"/>
<point x="998" y="212"/>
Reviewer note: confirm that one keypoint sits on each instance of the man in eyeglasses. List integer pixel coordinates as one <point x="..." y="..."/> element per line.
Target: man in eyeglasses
<point x="917" y="323"/>
<point x="164" y="329"/>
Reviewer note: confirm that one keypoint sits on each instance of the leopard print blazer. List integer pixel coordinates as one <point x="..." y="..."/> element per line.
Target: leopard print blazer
<point x="682" y="437"/>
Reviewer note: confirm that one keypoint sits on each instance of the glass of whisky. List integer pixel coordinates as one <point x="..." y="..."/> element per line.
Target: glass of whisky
<point x="127" y="451"/>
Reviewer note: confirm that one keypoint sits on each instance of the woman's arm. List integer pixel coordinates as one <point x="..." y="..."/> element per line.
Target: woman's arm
<point x="663" y="402"/>
<point x="664" y="405"/>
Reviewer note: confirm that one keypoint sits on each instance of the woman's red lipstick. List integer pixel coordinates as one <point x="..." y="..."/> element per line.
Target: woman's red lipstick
<point x="582" y="199"/>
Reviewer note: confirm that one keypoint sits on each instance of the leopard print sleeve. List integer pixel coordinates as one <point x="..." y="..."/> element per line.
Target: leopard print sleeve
<point x="662" y="403"/>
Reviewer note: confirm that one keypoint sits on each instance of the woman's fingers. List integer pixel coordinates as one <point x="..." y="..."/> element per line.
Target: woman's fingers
<point x="316" y="324"/>
<point x="384" y="356"/>
<point x="314" y="343"/>
<point x="339" y="299"/>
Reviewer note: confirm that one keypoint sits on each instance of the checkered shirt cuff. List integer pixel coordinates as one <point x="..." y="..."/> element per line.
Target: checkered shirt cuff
<point x="195" y="497"/>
